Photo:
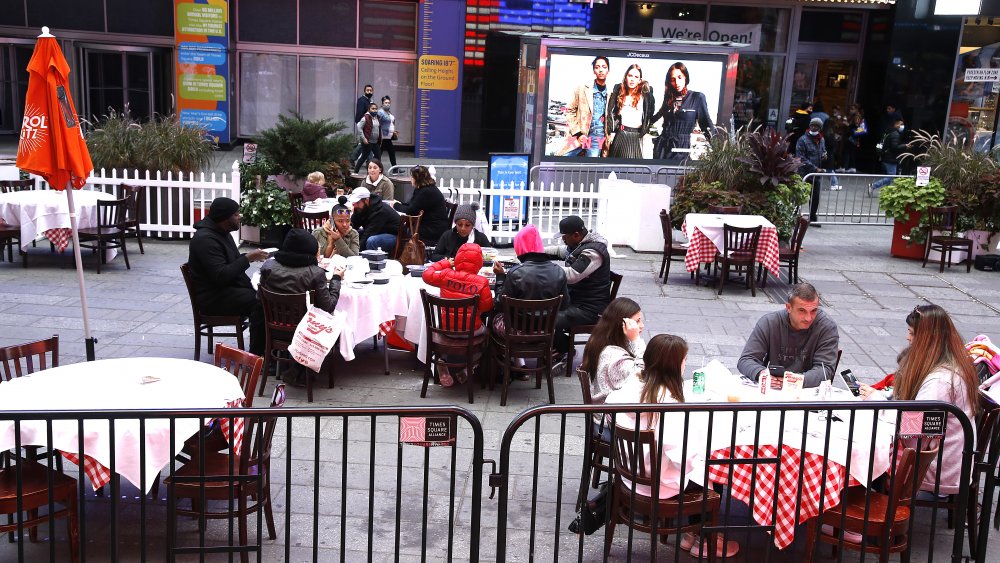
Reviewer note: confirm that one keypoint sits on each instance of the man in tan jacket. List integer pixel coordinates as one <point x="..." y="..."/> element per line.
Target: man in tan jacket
<point x="585" y="113"/>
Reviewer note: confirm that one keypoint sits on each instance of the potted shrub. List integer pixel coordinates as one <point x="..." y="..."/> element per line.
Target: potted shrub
<point x="116" y="141"/>
<point x="265" y="207"/>
<point x="298" y="146"/>
<point x="907" y="203"/>
<point x="752" y="169"/>
<point x="979" y="211"/>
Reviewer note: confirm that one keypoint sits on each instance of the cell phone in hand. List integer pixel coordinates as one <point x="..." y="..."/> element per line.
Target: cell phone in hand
<point x="777" y="377"/>
<point x="852" y="382"/>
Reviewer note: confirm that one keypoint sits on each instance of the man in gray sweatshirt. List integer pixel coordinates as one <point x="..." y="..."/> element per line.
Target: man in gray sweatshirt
<point x="802" y="338"/>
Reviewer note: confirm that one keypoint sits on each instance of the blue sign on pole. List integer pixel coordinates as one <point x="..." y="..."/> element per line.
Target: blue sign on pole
<point x="509" y="171"/>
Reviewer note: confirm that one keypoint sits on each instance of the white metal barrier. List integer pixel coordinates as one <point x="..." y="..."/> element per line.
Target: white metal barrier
<point x="173" y="204"/>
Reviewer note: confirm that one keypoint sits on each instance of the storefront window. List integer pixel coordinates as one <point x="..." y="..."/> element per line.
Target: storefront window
<point x="765" y="29"/>
<point x="326" y="23"/>
<point x="397" y="79"/>
<point x="648" y="19"/>
<point x="830" y="27"/>
<point x="758" y="90"/>
<point x="267" y="90"/>
<point x="972" y="117"/>
<point x="326" y="89"/>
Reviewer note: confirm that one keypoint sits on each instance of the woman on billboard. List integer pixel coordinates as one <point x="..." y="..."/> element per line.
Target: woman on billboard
<point x="629" y="114"/>
<point x="681" y="110"/>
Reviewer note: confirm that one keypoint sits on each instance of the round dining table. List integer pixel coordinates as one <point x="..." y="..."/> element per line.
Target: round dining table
<point x="46" y="212"/>
<point x="119" y="384"/>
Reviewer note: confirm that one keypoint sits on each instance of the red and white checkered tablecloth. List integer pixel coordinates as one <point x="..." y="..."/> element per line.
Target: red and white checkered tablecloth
<point x="763" y="482"/>
<point x="100" y="475"/>
<point x="701" y="248"/>
<point x="60" y="237"/>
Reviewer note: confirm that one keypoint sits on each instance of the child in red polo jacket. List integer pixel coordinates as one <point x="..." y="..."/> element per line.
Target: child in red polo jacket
<point x="459" y="278"/>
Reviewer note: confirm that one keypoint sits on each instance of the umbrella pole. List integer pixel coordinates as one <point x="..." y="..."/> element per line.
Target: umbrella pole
<point x="88" y="340"/>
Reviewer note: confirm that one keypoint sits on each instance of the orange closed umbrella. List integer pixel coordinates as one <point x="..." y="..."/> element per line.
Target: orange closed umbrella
<point x="52" y="145"/>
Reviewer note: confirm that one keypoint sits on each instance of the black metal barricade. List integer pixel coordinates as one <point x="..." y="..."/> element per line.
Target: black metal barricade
<point x="541" y="484"/>
<point x="347" y="484"/>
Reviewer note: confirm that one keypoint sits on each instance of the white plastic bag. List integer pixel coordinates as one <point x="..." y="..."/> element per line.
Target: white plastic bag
<point x="315" y="336"/>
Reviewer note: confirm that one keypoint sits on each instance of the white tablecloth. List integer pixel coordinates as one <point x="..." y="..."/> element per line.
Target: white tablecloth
<point x="117" y="384"/>
<point x="367" y="306"/>
<point x="416" y="329"/>
<point x="37" y="211"/>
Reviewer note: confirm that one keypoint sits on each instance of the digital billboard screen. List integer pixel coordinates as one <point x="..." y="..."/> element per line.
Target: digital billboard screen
<point x="626" y="106"/>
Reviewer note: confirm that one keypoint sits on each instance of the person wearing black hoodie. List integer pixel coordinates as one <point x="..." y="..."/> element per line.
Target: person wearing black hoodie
<point x="429" y="199"/>
<point x="222" y="286"/>
<point x="374" y="219"/>
<point x="294" y="269"/>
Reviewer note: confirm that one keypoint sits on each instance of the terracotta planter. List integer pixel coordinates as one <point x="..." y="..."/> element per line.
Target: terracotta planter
<point x="902" y="247"/>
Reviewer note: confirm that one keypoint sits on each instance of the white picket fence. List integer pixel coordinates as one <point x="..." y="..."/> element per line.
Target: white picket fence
<point x="173" y="203"/>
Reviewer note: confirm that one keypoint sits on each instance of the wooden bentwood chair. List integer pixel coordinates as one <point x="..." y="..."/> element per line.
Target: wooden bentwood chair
<point x="450" y="326"/>
<point x="229" y="481"/>
<point x="136" y="196"/>
<point x="881" y="520"/>
<point x="309" y="221"/>
<point x="789" y="255"/>
<point x="671" y="249"/>
<point x="109" y="232"/>
<point x="599" y="449"/>
<point x="24" y="359"/>
<point x="739" y="250"/>
<point x="529" y="326"/>
<point x="38" y="487"/>
<point x="282" y="313"/>
<point x="204" y="325"/>
<point x="944" y="220"/>
<point x="643" y="512"/>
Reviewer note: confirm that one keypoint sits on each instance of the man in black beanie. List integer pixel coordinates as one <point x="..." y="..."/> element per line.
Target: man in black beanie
<point x="219" y="270"/>
<point x="588" y="273"/>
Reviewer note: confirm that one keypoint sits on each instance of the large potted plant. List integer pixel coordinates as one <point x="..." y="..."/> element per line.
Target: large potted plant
<point x="748" y="168"/>
<point x="907" y="203"/>
<point x="298" y="146"/>
<point x="162" y="144"/>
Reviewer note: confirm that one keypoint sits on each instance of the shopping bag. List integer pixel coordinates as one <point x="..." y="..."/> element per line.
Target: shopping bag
<point x="315" y="336"/>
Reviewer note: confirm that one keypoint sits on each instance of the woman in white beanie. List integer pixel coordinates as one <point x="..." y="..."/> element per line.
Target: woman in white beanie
<point x="461" y="233"/>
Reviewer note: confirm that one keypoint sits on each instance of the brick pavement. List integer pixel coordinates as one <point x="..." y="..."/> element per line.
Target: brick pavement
<point x="145" y="312"/>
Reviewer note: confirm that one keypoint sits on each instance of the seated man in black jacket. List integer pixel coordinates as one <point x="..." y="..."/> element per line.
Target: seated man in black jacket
<point x="219" y="270"/>
<point x="463" y="232"/>
<point x="377" y="222"/>
<point x="588" y="273"/>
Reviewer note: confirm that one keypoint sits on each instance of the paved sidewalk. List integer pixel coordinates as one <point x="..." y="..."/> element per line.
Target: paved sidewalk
<point x="145" y="312"/>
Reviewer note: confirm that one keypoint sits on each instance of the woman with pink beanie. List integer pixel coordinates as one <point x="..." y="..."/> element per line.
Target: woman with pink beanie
<point x="536" y="277"/>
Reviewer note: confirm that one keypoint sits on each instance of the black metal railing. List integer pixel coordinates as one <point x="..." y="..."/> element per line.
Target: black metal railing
<point x="344" y="485"/>
<point x="541" y="447"/>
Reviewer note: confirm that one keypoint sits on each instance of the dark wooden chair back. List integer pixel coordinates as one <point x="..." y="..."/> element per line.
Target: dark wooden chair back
<point x="452" y="208"/>
<point x="726" y="209"/>
<point x="136" y="203"/>
<point x="282" y="313"/>
<point x="408" y="225"/>
<point x="309" y="221"/>
<point x="667" y="226"/>
<point x="11" y="186"/>
<point x="297" y="200"/>
<point x="629" y="453"/>
<point x="449" y="318"/>
<point x="22" y="359"/>
<point x="244" y="365"/>
<point x="740" y="243"/>
<point x="111" y="215"/>
<point x="616" y="283"/>
<point x="799" y="233"/>
<point x="204" y="325"/>
<point x="584" y="378"/>
<point x="529" y="324"/>
<point x="943" y="219"/>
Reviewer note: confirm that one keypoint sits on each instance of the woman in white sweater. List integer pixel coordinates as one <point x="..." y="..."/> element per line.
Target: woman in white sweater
<point x="662" y="381"/>
<point x="937" y="368"/>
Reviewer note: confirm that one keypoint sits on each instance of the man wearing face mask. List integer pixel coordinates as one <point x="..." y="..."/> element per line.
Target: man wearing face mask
<point x="364" y="100"/>
<point x="388" y="123"/>
<point x="892" y="147"/>
<point x="371" y="137"/>
<point x="811" y="149"/>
